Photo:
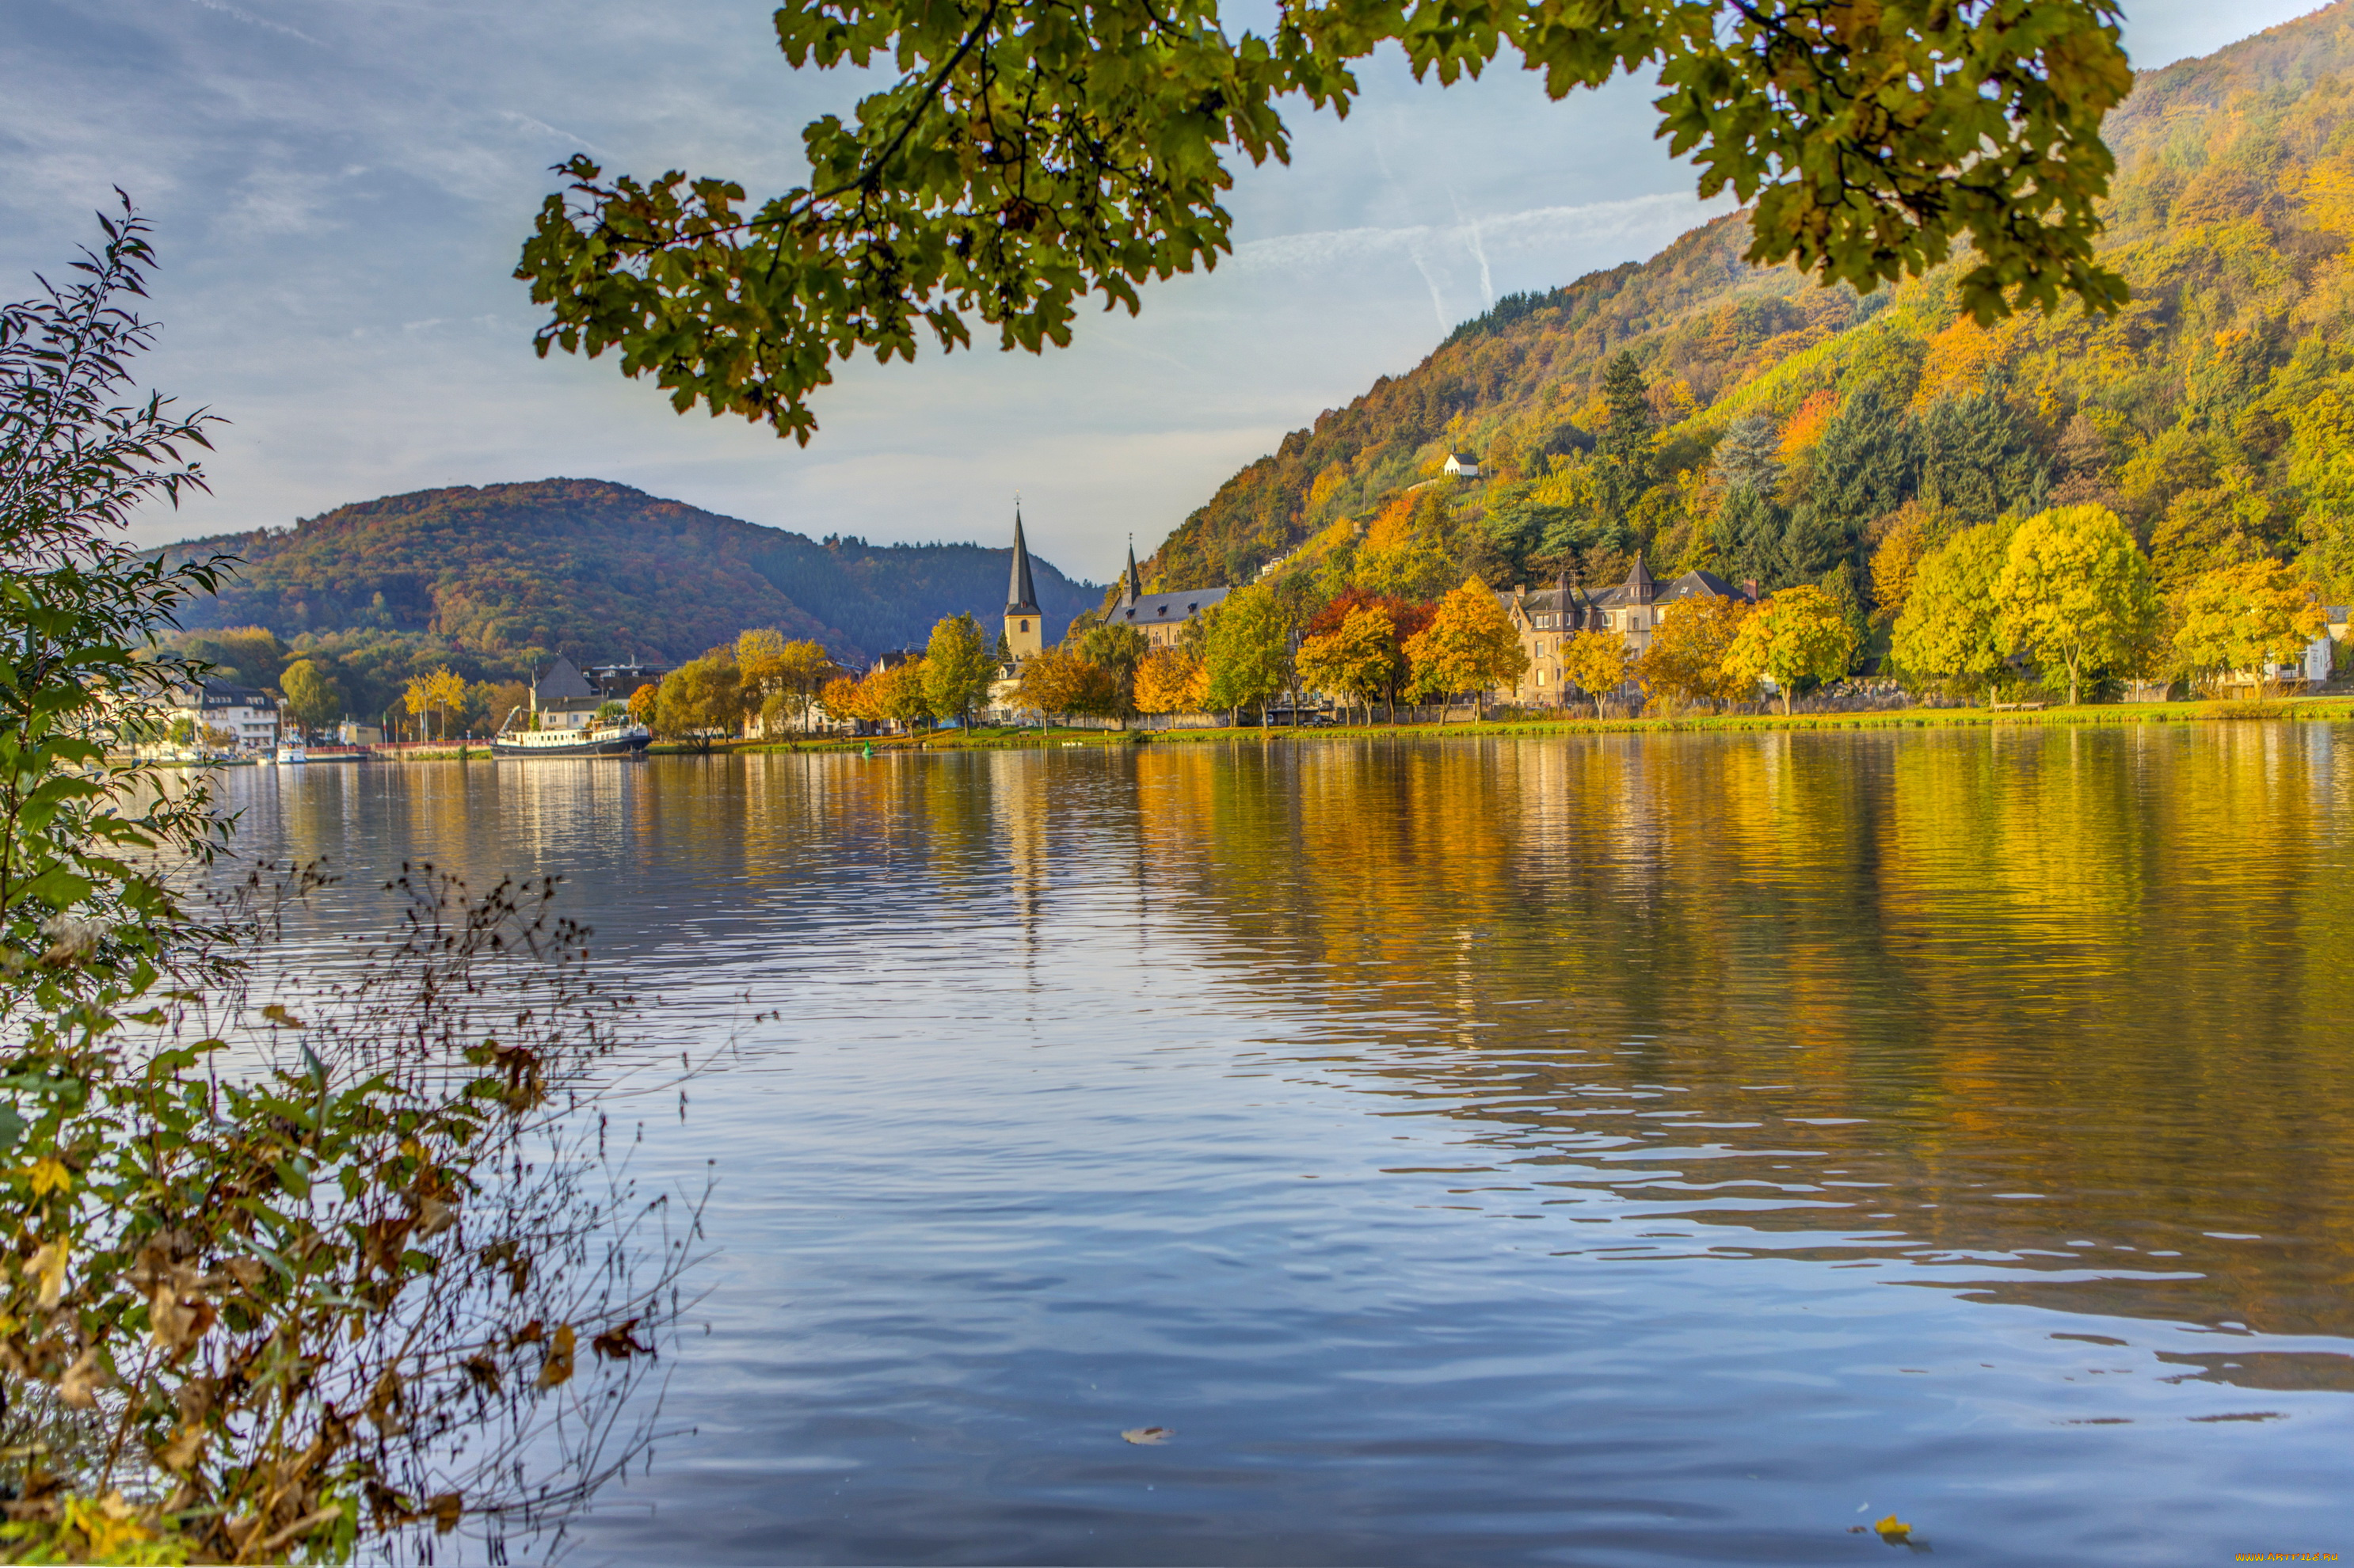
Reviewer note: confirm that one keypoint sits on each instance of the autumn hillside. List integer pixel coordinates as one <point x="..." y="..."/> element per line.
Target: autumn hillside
<point x="2213" y="413"/>
<point x="507" y="573"/>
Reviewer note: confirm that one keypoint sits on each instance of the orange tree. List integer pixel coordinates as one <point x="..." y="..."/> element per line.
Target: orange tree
<point x="1469" y="646"/>
<point x="1056" y="682"/>
<point x="1354" y="660"/>
<point x="845" y="698"/>
<point x="1170" y="681"/>
<point x="1686" y="658"/>
<point x="899" y="695"/>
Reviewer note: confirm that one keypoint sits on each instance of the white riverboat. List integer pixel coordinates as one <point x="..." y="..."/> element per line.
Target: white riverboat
<point x="590" y="738"/>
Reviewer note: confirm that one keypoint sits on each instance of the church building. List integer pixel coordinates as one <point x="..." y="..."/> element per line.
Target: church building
<point x="1162" y="617"/>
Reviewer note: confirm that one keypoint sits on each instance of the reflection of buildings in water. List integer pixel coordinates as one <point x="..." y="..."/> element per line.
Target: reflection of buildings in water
<point x="1017" y="783"/>
<point x="552" y="811"/>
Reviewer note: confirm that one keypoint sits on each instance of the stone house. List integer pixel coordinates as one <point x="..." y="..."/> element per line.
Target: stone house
<point x="1634" y="609"/>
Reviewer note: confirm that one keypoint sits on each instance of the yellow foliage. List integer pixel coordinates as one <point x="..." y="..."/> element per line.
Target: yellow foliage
<point x="2328" y="196"/>
<point x="1959" y="357"/>
<point x="1334" y="476"/>
<point x="1918" y="528"/>
<point x="1596" y="662"/>
<point x="1686" y="658"/>
<point x="2243" y="619"/>
<point x="1171" y="681"/>
<point x="1469" y="646"/>
<point x="1393" y="526"/>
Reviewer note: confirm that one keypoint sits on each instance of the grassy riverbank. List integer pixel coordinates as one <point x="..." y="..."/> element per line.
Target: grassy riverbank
<point x="2323" y="709"/>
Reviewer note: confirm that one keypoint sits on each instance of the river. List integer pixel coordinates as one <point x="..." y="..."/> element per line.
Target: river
<point x="1613" y="1150"/>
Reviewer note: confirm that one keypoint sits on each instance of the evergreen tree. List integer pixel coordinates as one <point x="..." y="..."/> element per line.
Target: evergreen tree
<point x="1748" y="456"/>
<point x="1748" y="536"/>
<point x="1624" y="456"/>
<point x="1980" y="458"/>
<point x="1863" y="467"/>
<point x="1839" y="585"/>
<point x="1808" y="543"/>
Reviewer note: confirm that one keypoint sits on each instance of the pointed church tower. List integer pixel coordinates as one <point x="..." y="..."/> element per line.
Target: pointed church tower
<point x="1132" y="585"/>
<point x="1025" y="627"/>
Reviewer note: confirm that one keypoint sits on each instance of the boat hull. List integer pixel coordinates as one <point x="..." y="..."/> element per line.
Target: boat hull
<point x="616" y="746"/>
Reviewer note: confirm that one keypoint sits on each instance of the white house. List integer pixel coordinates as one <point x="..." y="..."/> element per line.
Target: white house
<point x="249" y="717"/>
<point x="1463" y="465"/>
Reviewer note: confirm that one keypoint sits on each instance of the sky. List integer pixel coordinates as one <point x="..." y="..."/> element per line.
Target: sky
<point x="340" y="187"/>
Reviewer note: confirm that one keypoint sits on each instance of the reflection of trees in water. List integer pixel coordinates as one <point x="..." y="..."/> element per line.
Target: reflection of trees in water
<point x="2097" y="965"/>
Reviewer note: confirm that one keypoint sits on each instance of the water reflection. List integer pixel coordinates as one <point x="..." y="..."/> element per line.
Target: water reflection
<point x="2043" y="1020"/>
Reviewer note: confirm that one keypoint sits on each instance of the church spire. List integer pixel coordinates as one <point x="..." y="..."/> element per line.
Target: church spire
<point x="1025" y="627"/>
<point x="1021" y="599"/>
<point x="1135" y="580"/>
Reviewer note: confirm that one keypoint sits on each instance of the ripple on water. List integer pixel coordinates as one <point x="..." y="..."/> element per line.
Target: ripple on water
<point x="1488" y="1150"/>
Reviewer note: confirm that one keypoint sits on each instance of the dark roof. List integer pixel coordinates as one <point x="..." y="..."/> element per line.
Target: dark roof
<point x="1020" y="598"/>
<point x="223" y="695"/>
<point x="1689" y="586"/>
<point x="1469" y="459"/>
<point x="562" y="682"/>
<point x="1164" y="608"/>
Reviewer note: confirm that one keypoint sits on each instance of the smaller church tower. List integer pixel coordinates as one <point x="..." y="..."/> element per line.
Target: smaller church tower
<point x="1025" y="625"/>
<point x="1132" y="584"/>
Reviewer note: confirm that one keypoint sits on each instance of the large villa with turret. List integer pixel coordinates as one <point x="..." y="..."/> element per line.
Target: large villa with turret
<point x="1634" y="609"/>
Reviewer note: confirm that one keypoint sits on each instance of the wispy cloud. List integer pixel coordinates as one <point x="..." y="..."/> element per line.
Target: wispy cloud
<point x="239" y="14"/>
<point x="1533" y="229"/>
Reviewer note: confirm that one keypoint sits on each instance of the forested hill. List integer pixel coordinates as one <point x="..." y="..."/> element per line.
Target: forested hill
<point x="2213" y="412"/>
<point x="598" y="571"/>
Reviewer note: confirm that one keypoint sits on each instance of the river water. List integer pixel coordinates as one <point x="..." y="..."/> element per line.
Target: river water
<point x="1613" y="1150"/>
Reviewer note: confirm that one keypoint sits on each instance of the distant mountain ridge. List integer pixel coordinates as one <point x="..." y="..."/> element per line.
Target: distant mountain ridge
<point x="596" y="571"/>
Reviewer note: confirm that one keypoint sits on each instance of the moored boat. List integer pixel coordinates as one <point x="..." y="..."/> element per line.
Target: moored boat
<point x="288" y="754"/>
<point x="612" y="739"/>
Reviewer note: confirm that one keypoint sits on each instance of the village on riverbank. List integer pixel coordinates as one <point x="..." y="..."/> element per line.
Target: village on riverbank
<point x="2049" y="619"/>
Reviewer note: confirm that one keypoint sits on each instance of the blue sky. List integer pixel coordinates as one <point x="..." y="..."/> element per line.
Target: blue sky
<point x="340" y="187"/>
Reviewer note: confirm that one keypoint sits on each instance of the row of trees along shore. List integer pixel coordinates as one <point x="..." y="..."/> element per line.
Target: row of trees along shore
<point x="2065" y="601"/>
